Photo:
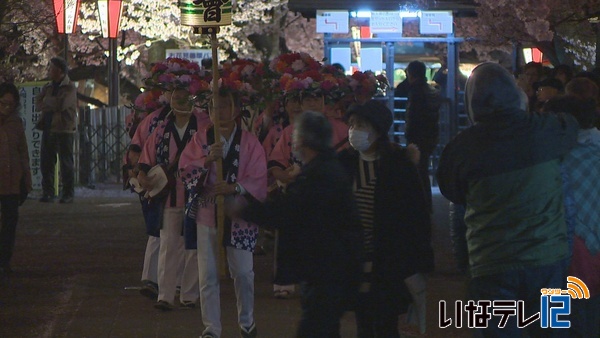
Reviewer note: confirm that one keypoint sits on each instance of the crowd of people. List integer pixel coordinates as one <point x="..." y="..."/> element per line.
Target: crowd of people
<point x="524" y="184"/>
<point x="303" y="150"/>
<point x="295" y="147"/>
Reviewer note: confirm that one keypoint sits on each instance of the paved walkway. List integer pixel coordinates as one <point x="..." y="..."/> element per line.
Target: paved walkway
<point x="77" y="269"/>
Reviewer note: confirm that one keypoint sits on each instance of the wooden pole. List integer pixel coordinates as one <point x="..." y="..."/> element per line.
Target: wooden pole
<point x="221" y="257"/>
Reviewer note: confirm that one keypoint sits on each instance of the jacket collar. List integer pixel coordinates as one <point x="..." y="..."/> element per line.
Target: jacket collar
<point x="65" y="81"/>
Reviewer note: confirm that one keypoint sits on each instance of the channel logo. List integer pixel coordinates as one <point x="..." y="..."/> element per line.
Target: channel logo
<point x="555" y="305"/>
<point x="577" y="288"/>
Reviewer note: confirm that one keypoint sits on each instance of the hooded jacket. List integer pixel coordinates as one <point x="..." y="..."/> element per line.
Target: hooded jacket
<point x="505" y="169"/>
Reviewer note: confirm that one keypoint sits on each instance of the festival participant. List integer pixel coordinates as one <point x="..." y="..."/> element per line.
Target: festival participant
<point x="251" y="72"/>
<point x="163" y="148"/>
<point x="274" y="118"/>
<point x="163" y="75"/>
<point x="366" y="84"/>
<point x="244" y="178"/>
<point x="145" y="103"/>
<point x="305" y="91"/>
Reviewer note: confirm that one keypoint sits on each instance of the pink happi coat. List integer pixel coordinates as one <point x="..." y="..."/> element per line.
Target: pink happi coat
<point x="251" y="174"/>
<point x="132" y="121"/>
<point x="144" y="129"/>
<point x="282" y="155"/>
<point x="272" y="137"/>
<point x="147" y="126"/>
<point x="149" y="158"/>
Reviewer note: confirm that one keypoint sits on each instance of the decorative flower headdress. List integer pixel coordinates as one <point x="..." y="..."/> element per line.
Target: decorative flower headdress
<point x="248" y="70"/>
<point x="293" y="63"/>
<point x="165" y="73"/>
<point x="367" y="83"/>
<point x="149" y="101"/>
<point x="322" y="81"/>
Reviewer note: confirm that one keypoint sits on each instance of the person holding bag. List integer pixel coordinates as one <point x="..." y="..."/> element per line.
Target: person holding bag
<point x="396" y="223"/>
<point x="15" y="176"/>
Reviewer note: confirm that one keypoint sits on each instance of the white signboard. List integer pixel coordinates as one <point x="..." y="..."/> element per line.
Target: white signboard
<point x="330" y="21"/>
<point x="436" y="22"/>
<point x="30" y="116"/>
<point x="386" y="22"/>
<point x="195" y="55"/>
<point x="371" y="59"/>
<point x="342" y="55"/>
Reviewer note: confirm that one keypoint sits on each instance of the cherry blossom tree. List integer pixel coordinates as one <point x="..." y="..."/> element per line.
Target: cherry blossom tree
<point x="560" y="28"/>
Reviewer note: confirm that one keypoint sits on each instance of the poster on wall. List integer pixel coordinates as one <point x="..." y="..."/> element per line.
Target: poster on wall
<point x="30" y="116"/>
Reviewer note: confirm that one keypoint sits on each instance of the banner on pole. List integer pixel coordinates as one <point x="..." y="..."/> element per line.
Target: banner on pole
<point x="30" y="117"/>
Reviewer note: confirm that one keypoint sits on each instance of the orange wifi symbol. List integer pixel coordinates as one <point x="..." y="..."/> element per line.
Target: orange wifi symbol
<point x="577" y="288"/>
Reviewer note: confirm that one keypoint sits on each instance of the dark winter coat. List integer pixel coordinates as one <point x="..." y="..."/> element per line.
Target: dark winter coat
<point x="319" y="211"/>
<point x="506" y="170"/>
<point x="402" y="222"/>
<point x="423" y="115"/>
<point x="14" y="157"/>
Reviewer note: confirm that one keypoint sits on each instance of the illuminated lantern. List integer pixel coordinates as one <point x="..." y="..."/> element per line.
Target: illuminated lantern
<point x="110" y="17"/>
<point x="205" y="13"/>
<point x="533" y="55"/>
<point x="66" y="13"/>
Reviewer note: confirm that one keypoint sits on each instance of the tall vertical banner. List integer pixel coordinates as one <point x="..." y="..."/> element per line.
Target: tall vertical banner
<point x="30" y="117"/>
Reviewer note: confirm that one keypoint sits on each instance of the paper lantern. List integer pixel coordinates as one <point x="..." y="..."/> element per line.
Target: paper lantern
<point x="205" y="13"/>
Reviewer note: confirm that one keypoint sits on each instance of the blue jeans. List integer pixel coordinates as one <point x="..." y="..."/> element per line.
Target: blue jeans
<point x="522" y="285"/>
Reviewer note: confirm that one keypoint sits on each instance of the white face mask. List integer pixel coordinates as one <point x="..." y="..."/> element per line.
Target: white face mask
<point x="359" y="139"/>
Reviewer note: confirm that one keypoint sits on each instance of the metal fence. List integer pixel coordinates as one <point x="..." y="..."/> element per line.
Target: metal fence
<point x="101" y="144"/>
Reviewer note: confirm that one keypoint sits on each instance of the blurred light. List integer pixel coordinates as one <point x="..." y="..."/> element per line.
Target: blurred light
<point x="409" y="14"/>
<point x="360" y="14"/>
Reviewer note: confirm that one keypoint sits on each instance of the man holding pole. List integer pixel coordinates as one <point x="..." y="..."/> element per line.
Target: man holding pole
<point x="245" y="178"/>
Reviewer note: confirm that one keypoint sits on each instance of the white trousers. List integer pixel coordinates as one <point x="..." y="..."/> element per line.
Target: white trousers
<point x="172" y="255"/>
<point x="241" y="270"/>
<point x="150" y="268"/>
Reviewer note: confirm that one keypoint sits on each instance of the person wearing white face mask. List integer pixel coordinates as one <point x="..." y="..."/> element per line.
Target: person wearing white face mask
<point x="395" y="221"/>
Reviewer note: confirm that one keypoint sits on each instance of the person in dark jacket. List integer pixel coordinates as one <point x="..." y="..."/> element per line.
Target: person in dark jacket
<point x="15" y="175"/>
<point x="505" y="169"/>
<point x="58" y="103"/>
<point x="422" y="118"/>
<point x="395" y="220"/>
<point x="319" y="210"/>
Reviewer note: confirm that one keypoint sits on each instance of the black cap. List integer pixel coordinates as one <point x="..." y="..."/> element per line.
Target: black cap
<point x="550" y="82"/>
